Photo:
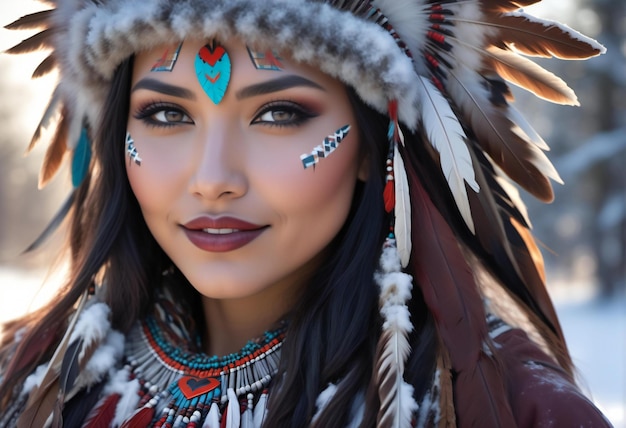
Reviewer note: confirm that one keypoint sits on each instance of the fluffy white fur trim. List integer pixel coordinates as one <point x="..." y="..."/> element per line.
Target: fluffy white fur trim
<point x="93" y="38"/>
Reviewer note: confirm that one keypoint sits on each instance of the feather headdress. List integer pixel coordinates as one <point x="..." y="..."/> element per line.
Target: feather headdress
<point x="438" y="68"/>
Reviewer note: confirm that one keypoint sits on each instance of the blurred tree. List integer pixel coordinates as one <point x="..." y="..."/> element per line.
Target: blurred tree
<point x="607" y="176"/>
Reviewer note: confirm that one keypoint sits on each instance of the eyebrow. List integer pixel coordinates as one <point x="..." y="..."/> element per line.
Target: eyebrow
<point x="164" y="88"/>
<point x="275" y="85"/>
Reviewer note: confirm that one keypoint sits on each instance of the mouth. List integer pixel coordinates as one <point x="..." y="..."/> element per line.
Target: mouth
<point x="222" y="234"/>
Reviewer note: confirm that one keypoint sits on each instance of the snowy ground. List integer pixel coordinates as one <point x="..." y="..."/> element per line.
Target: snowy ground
<point x="596" y="334"/>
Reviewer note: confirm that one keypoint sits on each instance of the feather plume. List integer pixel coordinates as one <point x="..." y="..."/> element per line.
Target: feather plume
<point x="40" y="40"/>
<point x="81" y="158"/>
<point x="520" y="159"/>
<point x="43" y="401"/>
<point x="233" y="415"/>
<point x="45" y="67"/>
<point x="397" y="404"/>
<point x="447" y="416"/>
<point x="530" y="76"/>
<point x="532" y="36"/>
<point x="449" y="290"/>
<point x="52" y="110"/>
<point x="323" y="399"/>
<point x="212" y="420"/>
<point x="505" y="5"/>
<point x="31" y="21"/>
<point x="402" y="209"/>
<point x="445" y="133"/>
<point x="129" y="399"/>
<point x="260" y="410"/>
<point x="102" y="415"/>
<point x="54" y="223"/>
<point x="56" y="150"/>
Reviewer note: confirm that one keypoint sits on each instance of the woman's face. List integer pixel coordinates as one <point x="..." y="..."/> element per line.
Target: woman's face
<point x="219" y="175"/>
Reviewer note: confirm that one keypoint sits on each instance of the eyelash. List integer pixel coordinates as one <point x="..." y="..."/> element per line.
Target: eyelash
<point x="147" y="112"/>
<point x="302" y="114"/>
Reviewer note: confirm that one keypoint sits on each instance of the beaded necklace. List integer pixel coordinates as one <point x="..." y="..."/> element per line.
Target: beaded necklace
<point x="182" y="387"/>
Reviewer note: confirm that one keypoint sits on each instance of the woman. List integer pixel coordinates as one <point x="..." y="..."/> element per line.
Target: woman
<point x="294" y="214"/>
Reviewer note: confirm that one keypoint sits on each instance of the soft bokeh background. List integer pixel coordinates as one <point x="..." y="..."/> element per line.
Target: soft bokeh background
<point x="583" y="231"/>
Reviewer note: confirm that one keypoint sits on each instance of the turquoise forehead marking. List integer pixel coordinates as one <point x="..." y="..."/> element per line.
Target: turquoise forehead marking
<point x="213" y="66"/>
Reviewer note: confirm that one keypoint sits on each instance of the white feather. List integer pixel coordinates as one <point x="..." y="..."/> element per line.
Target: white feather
<point x="524" y="129"/>
<point x="233" y="415"/>
<point x="323" y="399"/>
<point x="247" y="420"/>
<point x="395" y="291"/>
<point x="128" y="402"/>
<point x="260" y="410"/>
<point x="213" y="418"/>
<point x="402" y="210"/>
<point x="445" y="133"/>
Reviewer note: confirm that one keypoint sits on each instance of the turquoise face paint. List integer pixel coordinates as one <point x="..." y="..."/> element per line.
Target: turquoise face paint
<point x="213" y="70"/>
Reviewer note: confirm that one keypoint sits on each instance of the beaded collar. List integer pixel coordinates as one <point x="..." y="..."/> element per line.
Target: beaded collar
<point x="179" y="384"/>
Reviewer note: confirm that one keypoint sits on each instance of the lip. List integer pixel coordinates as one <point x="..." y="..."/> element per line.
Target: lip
<point x="232" y="233"/>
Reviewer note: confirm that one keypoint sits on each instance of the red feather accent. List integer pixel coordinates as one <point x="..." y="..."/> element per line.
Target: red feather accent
<point x="103" y="414"/>
<point x="141" y="418"/>
<point x="449" y="290"/>
<point x="389" y="195"/>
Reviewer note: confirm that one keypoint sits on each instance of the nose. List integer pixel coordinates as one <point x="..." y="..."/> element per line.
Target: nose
<point x="220" y="168"/>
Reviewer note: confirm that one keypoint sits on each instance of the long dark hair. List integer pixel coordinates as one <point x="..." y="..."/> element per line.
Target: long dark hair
<point x="332" y="331"/>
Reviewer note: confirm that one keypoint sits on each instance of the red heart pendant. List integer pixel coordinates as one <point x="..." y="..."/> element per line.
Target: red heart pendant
<point x="192" y="387"/>
<point x="211" y="56"/>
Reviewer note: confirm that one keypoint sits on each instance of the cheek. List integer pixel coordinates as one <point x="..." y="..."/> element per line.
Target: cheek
<point x="157" y="181"/>
<point x="317" y="198"/>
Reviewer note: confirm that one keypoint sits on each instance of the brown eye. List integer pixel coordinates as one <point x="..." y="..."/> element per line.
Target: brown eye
<point x="171" y="116"/>
<point x="277" y="116"/>
<point x="283" y="113"/>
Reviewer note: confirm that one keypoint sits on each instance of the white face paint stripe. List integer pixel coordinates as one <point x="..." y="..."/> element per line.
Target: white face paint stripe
<point x="131" y="150"/>
<point x="324" y="150"/>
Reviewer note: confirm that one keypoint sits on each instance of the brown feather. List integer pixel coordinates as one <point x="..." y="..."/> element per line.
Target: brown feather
<point x="452" y="296"/>
<point x="446" y="397"/>
<point x="515" y="154"/>
<point x="532" y="266"/>
<point x="38" y="410"/>
<point x="31" y="21"/>
<point x="41" y="40"/>
<point x="56" y="150"/>
<point x="517" y="157"/>
<point x="53" y="109"/>
<point x="538" y="39"/>
<point x="530" y="76"/>
<point x="505" y="5"/>
<point x="45" y="399"/>
<point x="476" y="408"/>
<point x="45" y="67"/>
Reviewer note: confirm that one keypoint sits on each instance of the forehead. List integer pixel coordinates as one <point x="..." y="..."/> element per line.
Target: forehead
<point x="178" y="60"/>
